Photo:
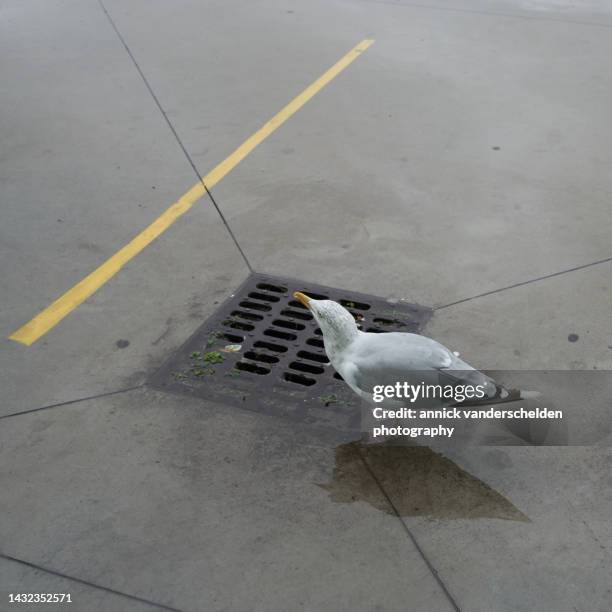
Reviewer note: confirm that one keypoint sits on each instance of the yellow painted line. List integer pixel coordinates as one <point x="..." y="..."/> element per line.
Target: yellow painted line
<point x="64" y="305"/>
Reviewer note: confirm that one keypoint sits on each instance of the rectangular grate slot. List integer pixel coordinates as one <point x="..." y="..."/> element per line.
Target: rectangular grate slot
<point x="315" y="342"/>
<point x="313" y="295"/>
<point x="246" y="366"/>
<point x="230" y="337"/>
<point x="277" y="348"/>
<point x="299" y="379"/>
<point x="261" y="357"/>
<point x="382" y="321"/>
<point x="263" y="296"/>
<point x="249" y="316"/>
<point x="313" y="356"/>
<point x="288" y="324"/>
<point x="270" y="287"/>
<point x="238" y="325"/>
<point x="263" y="350"/>
<point x="306" y="367"/>
<point x="275" y="333"/>
<point x="256" y="306"/>
<point x="352" y="305"/>
<point x="375" y="330"/>
<point x="304" y="316"/>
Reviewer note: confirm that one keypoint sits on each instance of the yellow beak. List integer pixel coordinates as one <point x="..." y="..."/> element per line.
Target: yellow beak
<point x="303" y="299"/>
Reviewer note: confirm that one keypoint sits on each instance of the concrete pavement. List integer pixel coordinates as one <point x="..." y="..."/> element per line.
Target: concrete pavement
<point x="466" y="151"/>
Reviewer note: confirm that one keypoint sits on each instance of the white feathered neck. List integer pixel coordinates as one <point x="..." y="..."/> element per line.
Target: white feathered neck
<point x="337" y="324"/>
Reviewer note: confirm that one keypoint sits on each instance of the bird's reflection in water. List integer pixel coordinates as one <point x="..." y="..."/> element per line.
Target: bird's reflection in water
<point x="417" y="480"/>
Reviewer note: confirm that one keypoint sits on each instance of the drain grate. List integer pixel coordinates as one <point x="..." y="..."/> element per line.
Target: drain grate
<point x="262" y="350"/>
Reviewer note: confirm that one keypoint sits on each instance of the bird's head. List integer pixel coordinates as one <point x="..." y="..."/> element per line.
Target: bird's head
<point x="336" y="322"/>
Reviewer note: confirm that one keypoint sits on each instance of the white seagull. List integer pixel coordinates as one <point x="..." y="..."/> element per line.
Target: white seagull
<point x="367" y="359"/>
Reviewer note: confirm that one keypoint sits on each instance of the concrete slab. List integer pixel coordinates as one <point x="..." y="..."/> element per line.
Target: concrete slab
<point x="198" y="506"/>
<point x="17" y="578"/>
<point x="463" y="152"/>
<point x="529" y="327"/>
<point x="155" y="304"/>
<point x="229" y="68"/>
<point x="559" y="560"/>
<point x="589" y="12"/>
<point x="87" y="164"/>
<point x="452" y="217"/>
<point x="465" y="217"/>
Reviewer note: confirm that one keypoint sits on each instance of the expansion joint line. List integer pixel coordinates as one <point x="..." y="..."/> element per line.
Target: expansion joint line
<point x="409" y="533"/>
<point x="73" y="401"/>
<point x="176" y="136"/>
<point x="87" y="583"/>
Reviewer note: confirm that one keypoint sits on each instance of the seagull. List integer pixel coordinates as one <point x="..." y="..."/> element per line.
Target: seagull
<point x="365" y="360"/>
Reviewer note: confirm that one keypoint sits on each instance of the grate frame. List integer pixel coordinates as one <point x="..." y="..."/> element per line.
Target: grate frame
<point x="269" y="314"/>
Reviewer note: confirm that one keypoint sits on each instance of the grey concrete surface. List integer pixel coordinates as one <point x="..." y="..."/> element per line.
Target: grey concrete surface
<point x="527" y="328"/>
<point x="86" y="165"/>
<point x="16" y="576"/>
<point x="199" y="507"/>
<point x="432" y="98"/>
<point x="466" y="151"/>
<point x="559" y="560"/>
<point x="155" y="304"/>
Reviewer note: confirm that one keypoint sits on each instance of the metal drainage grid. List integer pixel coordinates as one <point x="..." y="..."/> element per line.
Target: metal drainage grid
<point x="262" y="350"/>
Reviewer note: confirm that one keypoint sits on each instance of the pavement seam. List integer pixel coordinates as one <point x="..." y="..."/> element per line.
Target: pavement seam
<point x="453" y="9"/>
<point x="527" y="282"/>
<point x="176" y="136"/>
<point x="74" y="401"/>
<point x="411" y="536"/>
<point x="87" y="583"/>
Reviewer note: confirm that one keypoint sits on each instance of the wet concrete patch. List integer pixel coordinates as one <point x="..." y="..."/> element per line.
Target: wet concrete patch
<point x="418" y="481"/>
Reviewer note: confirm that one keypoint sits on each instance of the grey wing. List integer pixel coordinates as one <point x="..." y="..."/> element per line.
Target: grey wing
<point x="384" y="359"/>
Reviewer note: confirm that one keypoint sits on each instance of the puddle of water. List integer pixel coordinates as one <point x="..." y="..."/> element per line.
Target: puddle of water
<point x="419" y="482"/>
